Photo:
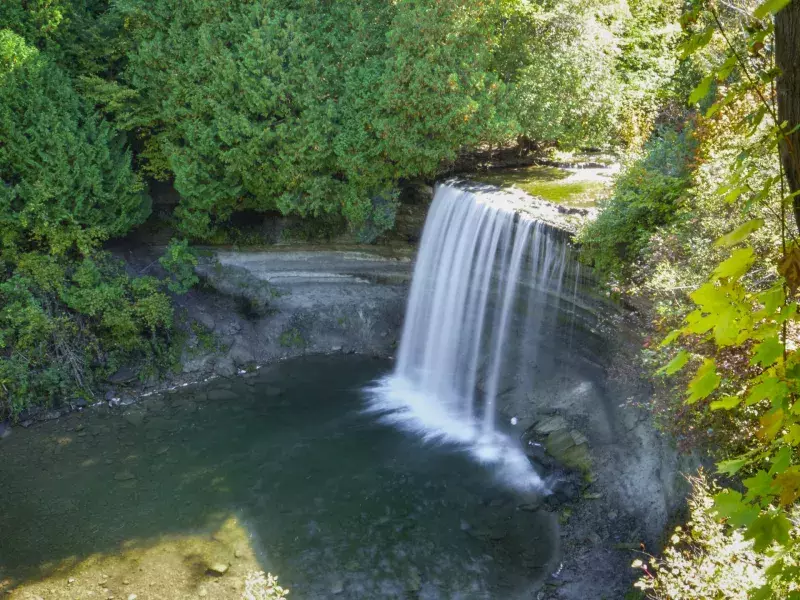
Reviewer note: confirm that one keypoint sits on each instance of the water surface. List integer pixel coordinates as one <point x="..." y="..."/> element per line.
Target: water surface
<point x="281" y="471"/>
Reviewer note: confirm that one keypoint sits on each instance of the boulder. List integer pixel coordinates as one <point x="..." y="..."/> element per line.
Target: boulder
<point x="206" y="320"/>
<point x="218" y="569"/>
<point x="241" y="355"/>
<point x="225" y="367"/>
<point x="123" y="375"/>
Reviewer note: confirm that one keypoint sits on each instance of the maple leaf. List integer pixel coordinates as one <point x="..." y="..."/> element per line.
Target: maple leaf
<point x="789" y="484"/>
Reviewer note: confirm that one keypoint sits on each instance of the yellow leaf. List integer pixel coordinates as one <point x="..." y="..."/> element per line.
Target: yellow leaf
<point x="770" y="425"/>
<point x="789" y="267"/>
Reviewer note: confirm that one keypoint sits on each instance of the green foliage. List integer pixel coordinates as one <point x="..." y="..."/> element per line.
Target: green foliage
<point x="310" y="108"/>
<point x="79" y="189"/>
<point x="69" y="314"/>
<point x="179" y="261"/>
<point x="568" y="88"/>
<point x="646" y="196"/>
<point x="82" y="36"/>
<point x="292" y="338"/>
<point x="739" y="327"/>
<point x="709" y="558"/>
<point x="66" y="325"/>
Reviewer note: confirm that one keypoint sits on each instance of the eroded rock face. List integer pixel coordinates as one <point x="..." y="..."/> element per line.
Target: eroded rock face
<point x="263" y="306"/>
<point x="614" y="479"/>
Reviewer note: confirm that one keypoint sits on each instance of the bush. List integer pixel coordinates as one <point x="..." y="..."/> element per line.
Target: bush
<point x="710" y="559"/>
<point x="646" y="196"/>
<point x="65" y="326"/>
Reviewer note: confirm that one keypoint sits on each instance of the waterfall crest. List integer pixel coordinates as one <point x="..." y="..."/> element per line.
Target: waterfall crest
<point x="484" y="278"/>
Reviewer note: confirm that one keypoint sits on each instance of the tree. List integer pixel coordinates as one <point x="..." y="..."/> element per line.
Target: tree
<point x="787" y="58"/>
<point x="66" y="175"/>
<point x="308" y="107"/>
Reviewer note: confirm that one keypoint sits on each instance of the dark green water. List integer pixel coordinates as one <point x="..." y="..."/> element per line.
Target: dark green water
<point x="336" y="504"/>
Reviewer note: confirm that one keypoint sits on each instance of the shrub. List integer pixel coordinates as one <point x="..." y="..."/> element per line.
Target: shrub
<point x="65" y="326"/>
<point x="646" y="196"/>
<point x="69" y="314"/>
<point x="710" y="559"/>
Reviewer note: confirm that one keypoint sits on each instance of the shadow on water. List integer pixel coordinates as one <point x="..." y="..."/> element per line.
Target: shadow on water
<point x="323" y="495"/>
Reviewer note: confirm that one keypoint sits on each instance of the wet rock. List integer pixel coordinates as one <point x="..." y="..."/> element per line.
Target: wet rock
<point x="124" y="476"/>
<point x="530" y="506"/>
<point x="336" y="348"/>
<point x="566" y="445"/>
<point x="5" y="430"/>
<point x="80" y="403"/>
<point x="241" y="355"/>
<point x="127" y="400"/>
<point x="578" y="437"/>
<point x="594" y="538"/>
<point x="123" y="376"/>
<point x="26" y="423"/>
<point x="566" y="489"/>
<point x="50" y="415"/>
<point x="110" y="395"/>
<point x="218" y="569"/>
<point x="551" y="424"/>
<point x="225" y="367"/>
<point x="337" y="587"/>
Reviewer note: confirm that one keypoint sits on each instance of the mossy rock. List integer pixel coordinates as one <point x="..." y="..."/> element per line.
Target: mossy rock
<point x="570" y="450"/>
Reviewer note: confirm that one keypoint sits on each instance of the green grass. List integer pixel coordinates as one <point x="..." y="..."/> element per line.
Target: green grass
<point x="548" y="183"/>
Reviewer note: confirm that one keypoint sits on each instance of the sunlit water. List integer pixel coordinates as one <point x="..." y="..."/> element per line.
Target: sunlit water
<point x="336" y="503"/>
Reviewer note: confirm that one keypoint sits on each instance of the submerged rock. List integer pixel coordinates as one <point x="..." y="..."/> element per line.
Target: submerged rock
<point x="5" y="430"/>
<point x="134" y="418"/>
<point x="221" y="395"/>
<point x="124" y="476"/>
<point x="414" y="581"/>
<point x="218" y="569"/>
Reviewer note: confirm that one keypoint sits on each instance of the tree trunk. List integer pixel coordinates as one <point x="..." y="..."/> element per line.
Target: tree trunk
<point x="787" y="57"/>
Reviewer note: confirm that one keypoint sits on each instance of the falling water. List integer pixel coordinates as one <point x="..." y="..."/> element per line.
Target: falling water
<point x="483" y="277"/>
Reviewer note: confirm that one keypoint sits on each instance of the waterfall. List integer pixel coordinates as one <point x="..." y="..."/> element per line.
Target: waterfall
<point x="484" y="279"/>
